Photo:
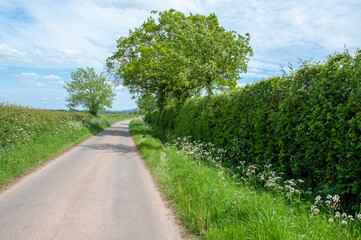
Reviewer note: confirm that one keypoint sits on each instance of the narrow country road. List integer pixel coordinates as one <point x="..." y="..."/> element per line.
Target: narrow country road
<point x="97" y="190"/>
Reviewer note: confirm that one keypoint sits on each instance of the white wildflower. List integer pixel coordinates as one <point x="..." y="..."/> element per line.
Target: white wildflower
<point x="291" y="182"/>
<point x="336" y="199"/>
<point x="318" y="199"/>
<point x="314" y="209"/>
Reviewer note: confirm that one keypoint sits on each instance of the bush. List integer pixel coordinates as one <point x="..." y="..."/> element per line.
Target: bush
<point x="307" y="125"/>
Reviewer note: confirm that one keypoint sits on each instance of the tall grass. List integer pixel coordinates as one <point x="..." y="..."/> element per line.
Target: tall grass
<point x="215" y="202"/>
<point x="29" y="137"/>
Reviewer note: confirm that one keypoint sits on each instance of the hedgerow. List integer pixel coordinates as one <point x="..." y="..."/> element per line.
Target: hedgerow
<point x="307" y="125"/>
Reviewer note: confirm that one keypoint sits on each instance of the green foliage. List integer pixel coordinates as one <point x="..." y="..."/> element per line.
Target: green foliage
<point x="90" y="90"/>
<point x="179" y="56"/>
<point x="307" y="125"/>
<point x="147" y="103"/>
<point x="212" y="204"/>
<point x="29" y="137"/>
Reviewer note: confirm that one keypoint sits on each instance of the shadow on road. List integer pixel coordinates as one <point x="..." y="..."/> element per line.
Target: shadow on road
<point x="115" y="131"/>
<point x="116" y="148"/>
<point x="121" y="149"/>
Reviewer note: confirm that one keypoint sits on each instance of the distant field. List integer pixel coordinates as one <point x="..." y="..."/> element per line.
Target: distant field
<point x="29" y="137"/>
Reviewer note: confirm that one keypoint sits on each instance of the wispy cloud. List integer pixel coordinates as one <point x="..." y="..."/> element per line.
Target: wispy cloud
<point x="11" y="54"/>
<point x="36" y="76"/>
<point x="51" y="77"/>
<point x="83" y="33"/>
<point x="35" y="79"/>
<point x="62" y="83"/>
<point x="33" y="83"/>
<point x="180" y="5"/>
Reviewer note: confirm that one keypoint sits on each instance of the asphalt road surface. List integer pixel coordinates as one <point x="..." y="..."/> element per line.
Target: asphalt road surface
<point x="100" y="189"/>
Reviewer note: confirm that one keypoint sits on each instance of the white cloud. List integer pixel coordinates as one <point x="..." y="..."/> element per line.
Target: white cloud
<point x="10" y="54"/>
<point x="34" y="79"/>
<point x="180" y="5"/>
<point x="51" y="77"/>
<point x="256" y="65"/>
<point x="256" y="75"/>
<point x="83" y="33"/>
<point x="36" y="76"/>
<point x="60" y="83"/>
<point x="39" y="84"/>
<point x="33" y="83"/>
<point x="29" y="75"/>
<point x="283" y="31"/>
<point x="56" y="83"/>
<point x="69" y="52"/>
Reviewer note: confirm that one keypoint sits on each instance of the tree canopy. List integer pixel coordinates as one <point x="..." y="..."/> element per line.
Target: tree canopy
<point x="89" y="90"/>
<point x="147" y="103"/>
<point x="179" y="56"/>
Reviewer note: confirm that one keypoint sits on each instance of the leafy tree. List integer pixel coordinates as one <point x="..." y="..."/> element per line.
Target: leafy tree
<point x="179" y="56"/>
<point x="89" y="90"/>
<point x="147" y="103"/>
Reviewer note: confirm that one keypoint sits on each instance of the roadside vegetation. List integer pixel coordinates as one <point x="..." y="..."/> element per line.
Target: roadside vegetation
<point x="280" y="146"/>
<point x="306" y="125"/>
<point x="29" y="137"/>
<point x="245" y="202"/>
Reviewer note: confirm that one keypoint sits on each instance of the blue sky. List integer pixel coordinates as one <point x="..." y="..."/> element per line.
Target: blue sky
<point x="42" y="42"/>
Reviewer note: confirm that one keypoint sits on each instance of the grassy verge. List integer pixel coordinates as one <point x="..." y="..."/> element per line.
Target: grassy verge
<point x="29" y="137"/>
<point x="213" y="204"/>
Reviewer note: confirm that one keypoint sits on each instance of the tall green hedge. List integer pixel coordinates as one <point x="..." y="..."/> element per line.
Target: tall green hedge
<point x="307" y="125"/>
